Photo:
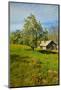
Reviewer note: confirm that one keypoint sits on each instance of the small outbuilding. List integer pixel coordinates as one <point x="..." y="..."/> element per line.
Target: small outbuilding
<point x="48" y="45"/>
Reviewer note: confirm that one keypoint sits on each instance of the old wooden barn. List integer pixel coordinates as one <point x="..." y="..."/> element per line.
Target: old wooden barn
<point x="48" y="45"/>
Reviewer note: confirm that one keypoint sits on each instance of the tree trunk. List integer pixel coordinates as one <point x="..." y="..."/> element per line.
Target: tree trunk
<point x="32" y="48"/>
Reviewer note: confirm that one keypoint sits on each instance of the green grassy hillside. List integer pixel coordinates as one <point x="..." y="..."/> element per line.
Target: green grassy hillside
<point x="29" y="68"/>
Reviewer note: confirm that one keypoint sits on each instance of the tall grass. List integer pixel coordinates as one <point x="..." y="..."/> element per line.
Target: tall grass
<point x="29" y="68"/>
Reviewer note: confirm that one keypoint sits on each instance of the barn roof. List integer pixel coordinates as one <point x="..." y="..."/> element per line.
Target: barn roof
<point x="45" y="43"/>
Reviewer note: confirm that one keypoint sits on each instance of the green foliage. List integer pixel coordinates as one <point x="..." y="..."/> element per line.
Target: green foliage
<point x="16" y="37"/>
<point x="45" y="35"/>
<point x="32" y="29"/>
<point x="11" y="37"/>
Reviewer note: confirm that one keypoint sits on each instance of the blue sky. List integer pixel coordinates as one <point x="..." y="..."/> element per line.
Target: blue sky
<point x="46" y="14"/>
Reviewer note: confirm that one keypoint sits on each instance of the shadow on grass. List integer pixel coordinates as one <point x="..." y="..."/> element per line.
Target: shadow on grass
<point x="47" y="52"/>
<point x="29" y="49"/>
<point x="23" y="59"/>
<point x="15" y="57"/>
<point x="44" y="51"/>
